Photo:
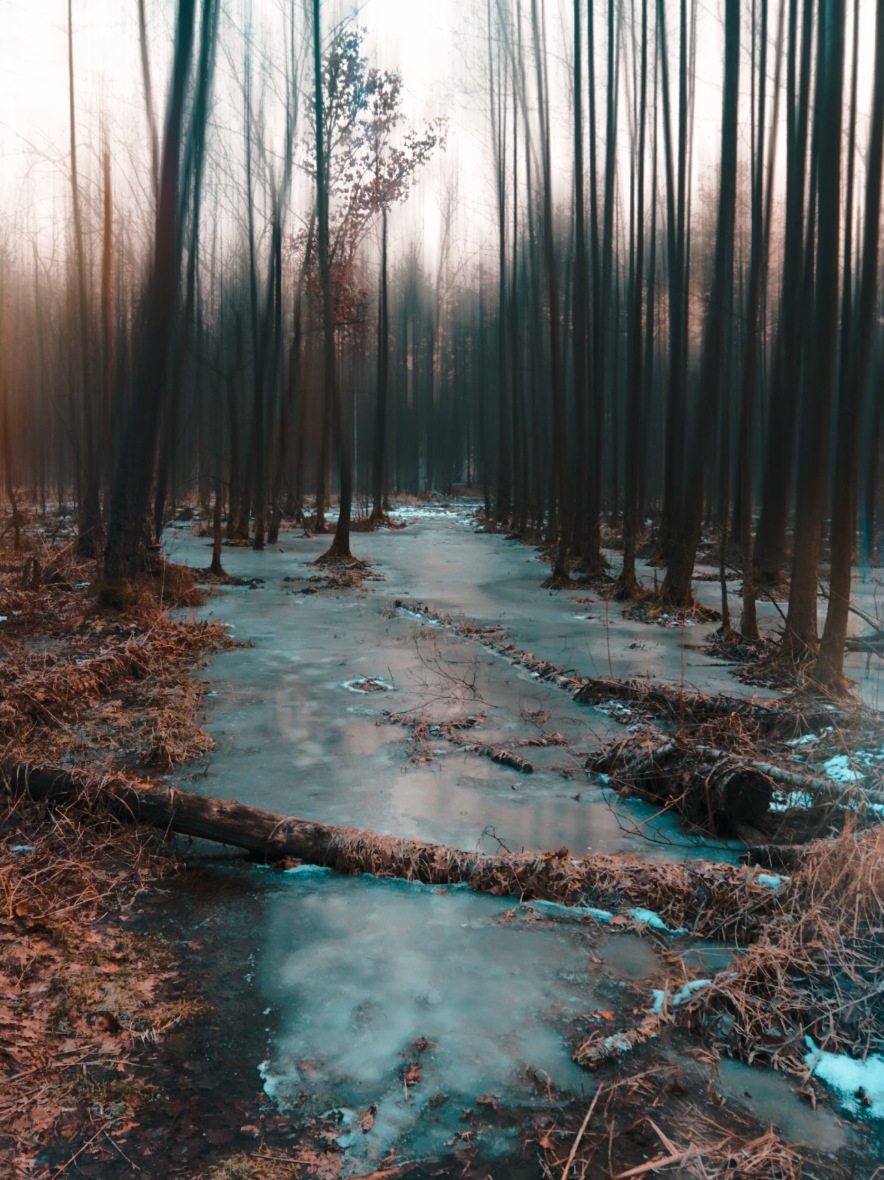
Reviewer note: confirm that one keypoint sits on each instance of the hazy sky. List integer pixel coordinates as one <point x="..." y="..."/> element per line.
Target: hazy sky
<point x="439" y="46"/>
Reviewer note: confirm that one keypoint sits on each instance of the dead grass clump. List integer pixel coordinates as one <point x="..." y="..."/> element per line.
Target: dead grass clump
<point x="48" y="698"/>
<point x="649" y="609"/>
<point x="341" y="573"/>
<point x="711" y="900"/>
<point x="815" y="969"/>
<point x="650" y="1124"/>
<point x="264" y="1164"/>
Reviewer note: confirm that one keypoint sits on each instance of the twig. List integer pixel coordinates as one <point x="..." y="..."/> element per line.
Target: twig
<point x="579" y="1136"/>
<point x="652" y="1165"/>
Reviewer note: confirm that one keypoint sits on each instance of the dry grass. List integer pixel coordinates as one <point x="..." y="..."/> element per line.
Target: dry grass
<point x="648" y="1124"/>
<point x="93" y="688"/>
<point x="816" y="968"/>
<point x="81" y="993"/>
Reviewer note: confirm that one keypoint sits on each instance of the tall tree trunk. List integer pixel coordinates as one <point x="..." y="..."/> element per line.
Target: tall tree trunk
<point x="561" y="500"/>
<point x="800" y="638"/>
<point x="769" y="557"/>
<point x="340" y="546"/>
<point x="829" y="668"/>
<point x="135" y="459"/>
<point x="676" y="589"/>
<point x="89" y="518"/>
<point x="380" y="424"/>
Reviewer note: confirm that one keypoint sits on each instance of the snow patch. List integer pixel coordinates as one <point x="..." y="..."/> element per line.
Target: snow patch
<point x="794" y="799"/>
<point x="860" y="1084"/>
<point x="770" y="880"/>
<point x="654" y="921"/>
<point x="568" y="913"/>
<point x="838" y="769"/>
<point x="693" y="985"/>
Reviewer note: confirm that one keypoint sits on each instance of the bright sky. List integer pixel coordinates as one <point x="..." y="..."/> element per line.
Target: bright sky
<point x="438" y="45"/>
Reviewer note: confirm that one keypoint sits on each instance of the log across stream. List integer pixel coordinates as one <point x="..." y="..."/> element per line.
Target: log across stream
<point x="709" y="899"/>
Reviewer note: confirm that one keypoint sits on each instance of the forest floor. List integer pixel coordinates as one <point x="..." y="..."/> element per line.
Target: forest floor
<point x="171" y="1009"/>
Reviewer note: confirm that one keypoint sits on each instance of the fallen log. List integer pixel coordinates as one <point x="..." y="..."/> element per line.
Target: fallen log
<point x="715" y="794"/>
<point x="716" y="790"/>
<point x="503" y="757"/>
<point x="676" y="703"/>
<point x="713" y="900"/>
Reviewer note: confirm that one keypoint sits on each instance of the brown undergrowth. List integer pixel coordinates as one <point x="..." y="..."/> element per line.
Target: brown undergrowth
<point x="650" y="1124"/>
<point x="814" y="969"/>
<point x="81" y="993"/>
<point x="94" y="688"/>
<point x="84" y="997"/>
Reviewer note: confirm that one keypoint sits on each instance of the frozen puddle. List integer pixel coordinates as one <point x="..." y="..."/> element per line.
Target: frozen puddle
<point x="368" y="977"/>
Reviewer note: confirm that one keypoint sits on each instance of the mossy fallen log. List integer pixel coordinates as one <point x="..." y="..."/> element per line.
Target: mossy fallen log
<point x="712" y="900"/>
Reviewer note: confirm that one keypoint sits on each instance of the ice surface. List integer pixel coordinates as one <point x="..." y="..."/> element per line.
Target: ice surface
<point x="361" y="970"/>
<point x="772" y="1098"/>
<point x="287" y="741"/>
<point x="357" y="971"/>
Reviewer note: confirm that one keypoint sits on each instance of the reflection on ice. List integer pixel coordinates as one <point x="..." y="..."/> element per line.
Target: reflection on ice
<point x="369" y="977"/>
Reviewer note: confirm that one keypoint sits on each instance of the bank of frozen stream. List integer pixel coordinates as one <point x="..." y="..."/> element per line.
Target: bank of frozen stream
<point x="360" y="977"/>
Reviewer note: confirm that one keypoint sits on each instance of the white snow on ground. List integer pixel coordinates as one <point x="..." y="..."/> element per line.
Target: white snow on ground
<point x="770" y="880"/>
<point x="850" y="1079"/>
<point x="659" y="996"/>
<point x="838" y="769"/>
<point x="568" y="913"/>
<point x="793" y="799"/>
<point x="654" y="921"/>
<point x="693" y="985"/>
<point x="576" y="913"/>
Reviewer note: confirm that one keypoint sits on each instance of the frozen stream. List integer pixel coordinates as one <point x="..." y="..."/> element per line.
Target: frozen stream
<point x="294" y="738"/>
<point x="361" y="979"/>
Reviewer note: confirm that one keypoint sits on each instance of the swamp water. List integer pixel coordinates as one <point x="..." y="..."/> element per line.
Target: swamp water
<point x="361" y="979"/>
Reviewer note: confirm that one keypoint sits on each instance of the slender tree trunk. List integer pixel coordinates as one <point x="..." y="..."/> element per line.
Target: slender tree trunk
<point x="135" y="460"/>
<point x="829" y="668"/>
<point x="89" y="518"/>
<point x="676" y="589"/>
<point x="340" y="546"/>
<point x="561" y="499"/>
<point x="800" y="639"/>
<point x="769" y="557"/>
<point x="380" y="425"/>
<point x="627" y="584"/>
